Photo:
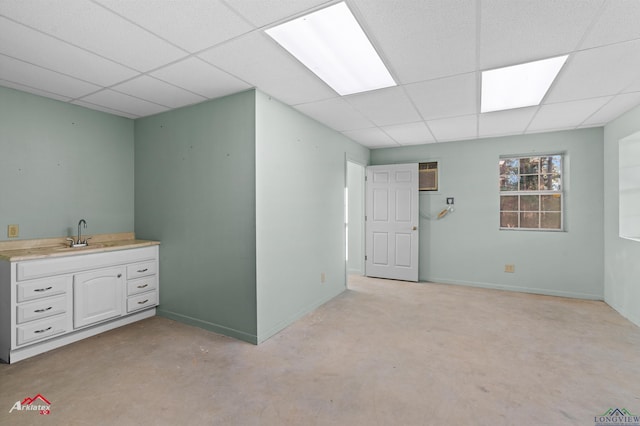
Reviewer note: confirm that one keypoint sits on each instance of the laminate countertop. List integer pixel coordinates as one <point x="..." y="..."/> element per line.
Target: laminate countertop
<point x="13" y="251"/>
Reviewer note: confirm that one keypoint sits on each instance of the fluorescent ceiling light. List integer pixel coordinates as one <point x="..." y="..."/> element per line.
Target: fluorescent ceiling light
<point x="519" y="85"/>
<point x="331" y="44"/>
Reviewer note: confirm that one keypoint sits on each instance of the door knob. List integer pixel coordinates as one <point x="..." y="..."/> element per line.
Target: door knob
<point x="415" y="228"/>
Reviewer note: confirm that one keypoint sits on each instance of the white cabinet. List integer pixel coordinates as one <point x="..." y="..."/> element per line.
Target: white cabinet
<point x="42" y="309"/>
<point x="47" y="303"/>
<point x="97" y="296"/>
<point x="142" y="284"/>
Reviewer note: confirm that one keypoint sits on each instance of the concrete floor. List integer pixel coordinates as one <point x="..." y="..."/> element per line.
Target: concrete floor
<point x="382" y="353"/>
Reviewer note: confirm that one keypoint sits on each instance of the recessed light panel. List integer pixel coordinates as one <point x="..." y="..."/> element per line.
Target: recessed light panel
<point x="331" y="43"/>
<point x="519" y="85"/>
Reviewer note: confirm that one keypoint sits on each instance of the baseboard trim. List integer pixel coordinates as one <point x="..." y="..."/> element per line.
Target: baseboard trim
<point x="624" y="313"/>
<point x="216" y="328"/>
<point x="532" y="290"/>
<point x="295" y="317"/>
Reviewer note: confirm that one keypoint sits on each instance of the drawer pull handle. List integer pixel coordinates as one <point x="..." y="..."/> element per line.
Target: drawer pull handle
<point x="143" y="285"/>
<point x="143" y="302"/>
<point x="143" y="270"/>
<point x="43" y="331"/>
<point x="44" y="310"/>
<point x="42" y="289"/>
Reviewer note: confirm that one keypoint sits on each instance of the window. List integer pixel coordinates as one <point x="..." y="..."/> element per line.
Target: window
<point x="531" y="192"/>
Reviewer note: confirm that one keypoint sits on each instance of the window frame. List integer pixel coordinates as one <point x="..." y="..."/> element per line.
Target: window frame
<point x="537" y="192"/>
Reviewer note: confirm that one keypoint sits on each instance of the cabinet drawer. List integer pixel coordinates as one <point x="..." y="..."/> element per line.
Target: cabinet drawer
<point x="142" y="301"/>
<point x="41" y="309"/>
<point x="141" y="285"/>
<point x="141" y="269"/>
<point x="42" y="329"/>
<point x="35" y="289"/>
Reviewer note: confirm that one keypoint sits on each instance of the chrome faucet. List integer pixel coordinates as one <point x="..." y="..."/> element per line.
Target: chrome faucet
<point x="79" y="242"/>
<point x="82" y="221"/>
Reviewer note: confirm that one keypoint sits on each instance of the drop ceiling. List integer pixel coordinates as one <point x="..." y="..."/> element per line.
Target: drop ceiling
<point x="138" y="58"/>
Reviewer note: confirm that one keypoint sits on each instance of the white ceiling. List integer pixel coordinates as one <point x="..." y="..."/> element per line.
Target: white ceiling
<point x="142" y="57"/>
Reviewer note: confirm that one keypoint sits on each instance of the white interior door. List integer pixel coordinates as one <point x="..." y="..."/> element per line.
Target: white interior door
<point x="392" y="222"/>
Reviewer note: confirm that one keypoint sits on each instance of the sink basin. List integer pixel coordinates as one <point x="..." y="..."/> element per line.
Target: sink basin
<point x="78" y="248"/>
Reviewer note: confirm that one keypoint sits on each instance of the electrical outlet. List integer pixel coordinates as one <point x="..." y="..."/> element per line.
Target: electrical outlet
<point x="510" y="268"/>
<point x="323" y="277"/>
<point x="13" y="231"/>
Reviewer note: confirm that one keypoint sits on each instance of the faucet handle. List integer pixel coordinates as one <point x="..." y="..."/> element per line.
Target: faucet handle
<point x="86" y="240"/>
<point x="71" y="241"/>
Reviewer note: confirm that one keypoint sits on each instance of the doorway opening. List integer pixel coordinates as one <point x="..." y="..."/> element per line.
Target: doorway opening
<point x="354" y="218"/>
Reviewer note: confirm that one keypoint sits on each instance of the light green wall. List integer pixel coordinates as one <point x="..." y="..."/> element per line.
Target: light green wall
<point x="621" y="256"/>
<point x="467" y="247"/>
<point x="194" y="171"/>
<point x="60" y="163"/>
<point x="300" y="181"/>
<point x="195" y="192"/>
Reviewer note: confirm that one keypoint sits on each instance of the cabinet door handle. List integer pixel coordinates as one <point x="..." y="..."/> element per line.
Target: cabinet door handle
<point x="143" y="302"/>
<point x="43" y="310"/>
<point x="143" y="270"/>
<point x="143" y="285"/>
<point x="43" y="331"/>
<point x="119" y="275"/>
<point x="43" y="289"/>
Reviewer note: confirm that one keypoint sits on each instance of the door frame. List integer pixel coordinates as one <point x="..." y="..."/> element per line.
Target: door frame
<point x="361" y="225"/>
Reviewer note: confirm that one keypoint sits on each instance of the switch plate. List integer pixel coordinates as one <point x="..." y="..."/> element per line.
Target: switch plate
<point x="13" y="231"/>
<point x="449" y="201"/>
<point x="510" y="268"/>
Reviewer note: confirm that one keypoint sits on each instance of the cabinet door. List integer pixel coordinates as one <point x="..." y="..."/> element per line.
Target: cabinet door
<point x="98" y="296"/>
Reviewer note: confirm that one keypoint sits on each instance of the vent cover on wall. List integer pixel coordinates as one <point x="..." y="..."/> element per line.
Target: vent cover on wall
<point x="428" y="176"/>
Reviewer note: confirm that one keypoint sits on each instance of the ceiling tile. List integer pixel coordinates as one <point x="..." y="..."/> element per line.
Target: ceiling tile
<point x="34" y="91"/>
<point x="335" y="113"/>
<point x="633" y="87"/>
<point x="31" y="46"/>
<point x="188" y="24"/>
<point x="445" y="97"/>
<point x="590" y="74"/>
<point x="617" y="22"/>
<point x="159" y="92"/>
<point x="614" y="109"/>
<point x="42" y="79"/>
<point x="371" y="138"/>
<point x="410" y="133"/>
<point x="565" y="115"/>
<point x="385" y="106"/>
<point x="455" y="128"/>
<point x="90" y="26"/>
<point x="422" y="40"/>
<point x="260" y="12"/>
<point x="197" y="76"/>
<point x="259" y="61"/>
<point x="125" y="103"/>
<point x="513" y="32"/>
<point x="70" y="50"/>
<point x="499" y="123"/>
